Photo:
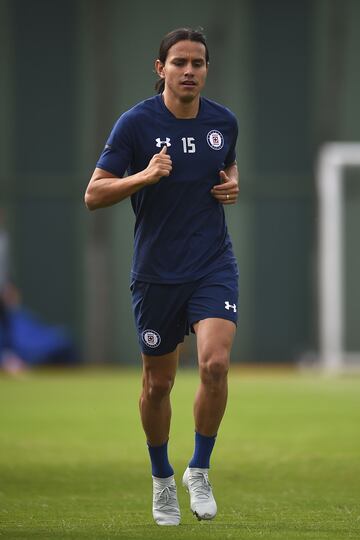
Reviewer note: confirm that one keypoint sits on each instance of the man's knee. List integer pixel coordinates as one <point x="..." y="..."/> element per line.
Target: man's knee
<point x="156" y="388"/>
<point x="214" y="368"/>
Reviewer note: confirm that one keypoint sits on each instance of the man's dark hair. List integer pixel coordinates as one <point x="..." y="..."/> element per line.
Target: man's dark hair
<point x="180" y="34"/>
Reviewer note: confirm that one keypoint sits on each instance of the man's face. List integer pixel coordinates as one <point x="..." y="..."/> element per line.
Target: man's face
<point x="185" y="70"/>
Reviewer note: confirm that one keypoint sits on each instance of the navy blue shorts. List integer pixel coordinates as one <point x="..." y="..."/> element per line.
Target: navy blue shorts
<point x="164" y="314"/>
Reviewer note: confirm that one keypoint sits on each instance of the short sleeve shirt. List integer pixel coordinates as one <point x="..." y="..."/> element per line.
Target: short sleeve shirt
<point x="180" y="230"/>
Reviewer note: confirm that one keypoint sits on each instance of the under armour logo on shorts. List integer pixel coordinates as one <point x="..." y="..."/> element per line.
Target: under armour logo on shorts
<point x="228" y="306"/>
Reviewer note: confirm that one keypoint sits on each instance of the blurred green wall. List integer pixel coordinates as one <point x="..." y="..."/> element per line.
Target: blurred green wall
<point x="289" y="71"/>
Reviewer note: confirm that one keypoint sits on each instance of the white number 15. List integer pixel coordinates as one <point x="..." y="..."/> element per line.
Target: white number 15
<point x="188" y="145"/>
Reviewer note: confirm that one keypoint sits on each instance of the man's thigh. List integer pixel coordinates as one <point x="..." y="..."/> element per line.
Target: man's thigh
<point x="161" y="367"/>
<point x="214" y="338"/>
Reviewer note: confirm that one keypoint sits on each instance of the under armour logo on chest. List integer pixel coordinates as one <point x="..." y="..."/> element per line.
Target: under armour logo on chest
<point x="160" y="143"/>
<point x="228" y="306"/>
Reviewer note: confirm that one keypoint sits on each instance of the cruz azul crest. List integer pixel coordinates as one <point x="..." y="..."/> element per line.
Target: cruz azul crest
<point x="215" y="139"/>
<point x="151" y="338"/>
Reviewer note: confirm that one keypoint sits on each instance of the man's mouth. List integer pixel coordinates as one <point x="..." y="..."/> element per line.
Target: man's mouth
<point x="189" y="83"/>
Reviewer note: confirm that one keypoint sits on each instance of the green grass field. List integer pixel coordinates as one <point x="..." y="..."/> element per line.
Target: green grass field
<point x="73" y="462"/>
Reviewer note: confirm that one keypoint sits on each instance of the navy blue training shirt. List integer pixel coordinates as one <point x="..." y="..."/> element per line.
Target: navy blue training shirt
<point x="180" y="229"/>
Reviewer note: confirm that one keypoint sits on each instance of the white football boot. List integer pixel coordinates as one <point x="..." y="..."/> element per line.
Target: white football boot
<point x="202" y="502"/>
<point x="165" y="502"/>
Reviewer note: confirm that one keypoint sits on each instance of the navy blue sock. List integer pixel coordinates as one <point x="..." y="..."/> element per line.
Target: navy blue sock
<point x="160" y="465"/>
<point x="203" y="448"/>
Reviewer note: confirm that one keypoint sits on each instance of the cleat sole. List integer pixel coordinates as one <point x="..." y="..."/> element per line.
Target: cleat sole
<point x="205" y="517"/>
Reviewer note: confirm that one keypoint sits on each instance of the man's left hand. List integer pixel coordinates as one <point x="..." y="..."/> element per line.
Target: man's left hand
<point x="227" y="192"/>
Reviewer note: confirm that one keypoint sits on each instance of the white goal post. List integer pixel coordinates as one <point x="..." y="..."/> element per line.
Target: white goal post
<point x="333" y="159"/>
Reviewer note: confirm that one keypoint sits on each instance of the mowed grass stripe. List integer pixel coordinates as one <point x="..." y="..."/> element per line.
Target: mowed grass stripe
<point x="74" y="464"/>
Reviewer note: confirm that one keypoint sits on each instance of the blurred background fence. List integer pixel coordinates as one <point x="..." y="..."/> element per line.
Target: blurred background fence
<point x="290" y="71"/>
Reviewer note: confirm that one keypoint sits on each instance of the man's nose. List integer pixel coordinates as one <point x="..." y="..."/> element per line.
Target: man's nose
<point x="189" y="69"/>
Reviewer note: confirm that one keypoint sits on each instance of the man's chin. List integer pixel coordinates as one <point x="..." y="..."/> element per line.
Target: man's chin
<point x="188" y="98"/>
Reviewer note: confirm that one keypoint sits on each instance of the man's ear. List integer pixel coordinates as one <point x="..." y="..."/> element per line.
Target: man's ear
<point x="159" y="68"/>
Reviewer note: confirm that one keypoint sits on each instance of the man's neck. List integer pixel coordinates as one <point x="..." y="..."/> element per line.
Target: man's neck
<point x="180" y="109"/>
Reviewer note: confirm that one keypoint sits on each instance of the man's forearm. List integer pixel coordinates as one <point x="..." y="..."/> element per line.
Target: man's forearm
<point x="106" y="191"/>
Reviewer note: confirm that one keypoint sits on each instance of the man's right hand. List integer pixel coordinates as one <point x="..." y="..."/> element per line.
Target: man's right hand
<point x="160" y="165"/>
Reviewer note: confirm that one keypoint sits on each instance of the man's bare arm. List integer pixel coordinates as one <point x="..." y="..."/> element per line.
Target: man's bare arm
<point x="106" y="189"/>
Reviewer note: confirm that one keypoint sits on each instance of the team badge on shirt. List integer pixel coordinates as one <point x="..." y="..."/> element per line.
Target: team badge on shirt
<point x="215" y="139"/>
<point x="151" y="338"/>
